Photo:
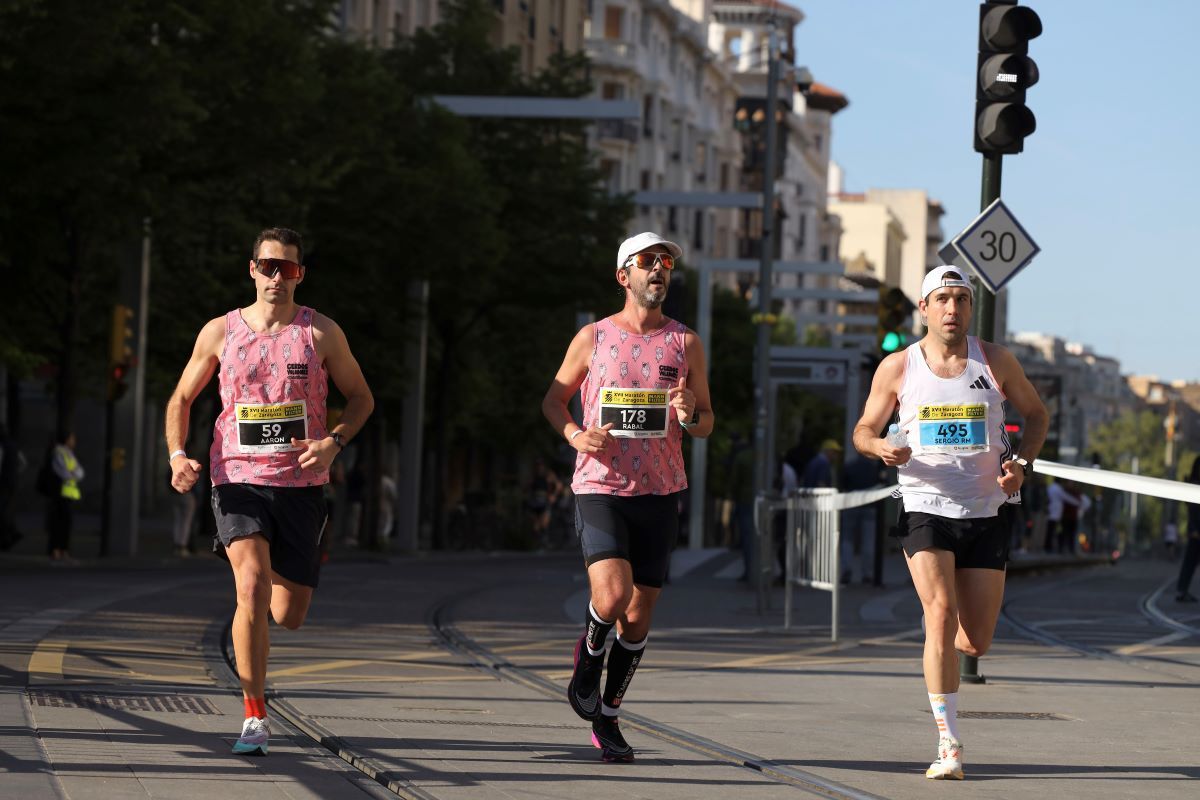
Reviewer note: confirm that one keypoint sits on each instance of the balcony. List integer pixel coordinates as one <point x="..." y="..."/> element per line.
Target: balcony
<point x="617" y="129"/>
<point x="612" y="53"/>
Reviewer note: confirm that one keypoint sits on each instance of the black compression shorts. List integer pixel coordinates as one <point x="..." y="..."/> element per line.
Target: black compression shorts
<point x="291" y="519"/>
<point x="641" y="530"/>
<point x="980" y="543"/>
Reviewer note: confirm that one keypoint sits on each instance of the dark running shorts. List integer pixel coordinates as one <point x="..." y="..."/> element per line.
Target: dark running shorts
<point x="291" y="519"/>
<point x="641" y="530"/>
<point x="980" y="543"/>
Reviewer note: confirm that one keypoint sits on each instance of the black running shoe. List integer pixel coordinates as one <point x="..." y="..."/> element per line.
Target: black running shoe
<point x="607" y="736"/>
<point x="583" y="691"/>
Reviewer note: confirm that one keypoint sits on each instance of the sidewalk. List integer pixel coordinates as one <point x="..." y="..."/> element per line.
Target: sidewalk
<point x="130" y="697"/>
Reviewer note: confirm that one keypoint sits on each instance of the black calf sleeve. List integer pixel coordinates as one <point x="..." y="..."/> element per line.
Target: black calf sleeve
<point x="622" y="663"/>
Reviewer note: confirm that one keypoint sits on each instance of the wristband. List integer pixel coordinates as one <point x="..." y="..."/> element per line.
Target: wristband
<point x="174" y="453"/>
<point x="571" y="438"/>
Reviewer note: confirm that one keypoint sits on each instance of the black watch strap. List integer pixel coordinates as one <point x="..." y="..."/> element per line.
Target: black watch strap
<point x="339" y="440"/>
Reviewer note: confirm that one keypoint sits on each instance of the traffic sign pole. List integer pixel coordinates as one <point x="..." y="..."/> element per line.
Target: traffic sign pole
<point x="985" y="302"/>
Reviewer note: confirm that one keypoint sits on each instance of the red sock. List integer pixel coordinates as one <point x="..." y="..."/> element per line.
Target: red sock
<point x="256" y="707"/>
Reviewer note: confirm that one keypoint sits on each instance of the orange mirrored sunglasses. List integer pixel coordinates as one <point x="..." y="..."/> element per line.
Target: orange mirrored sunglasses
<point x="270" y="267"/>
<point x="646" y="260"/>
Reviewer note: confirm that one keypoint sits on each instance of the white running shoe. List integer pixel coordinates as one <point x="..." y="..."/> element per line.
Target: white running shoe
<point x="948" y="767"/>
<point x="255" y="735"/>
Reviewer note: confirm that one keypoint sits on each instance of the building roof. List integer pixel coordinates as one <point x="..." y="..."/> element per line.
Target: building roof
<point x="825" y="98"/>
<point x="790" y="12"/>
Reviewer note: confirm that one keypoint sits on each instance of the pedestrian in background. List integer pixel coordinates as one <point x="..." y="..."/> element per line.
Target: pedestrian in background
<point x="60" y="504"/>
<point x="12" y="464"/>
<point x="858" y="523"/>
<point x="1191" y="554"/>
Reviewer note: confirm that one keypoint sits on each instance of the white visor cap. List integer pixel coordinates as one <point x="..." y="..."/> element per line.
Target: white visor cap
<point x="644" y="241"/>
<point x="936" y="279"/>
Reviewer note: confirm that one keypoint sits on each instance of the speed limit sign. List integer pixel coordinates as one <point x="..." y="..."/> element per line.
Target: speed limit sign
<point x="995" y="246"/>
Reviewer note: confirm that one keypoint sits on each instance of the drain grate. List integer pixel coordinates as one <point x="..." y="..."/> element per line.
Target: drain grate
<point x="175" y="703"/>
<point x="1024" y="715"/>
<point x="471" y="722"/>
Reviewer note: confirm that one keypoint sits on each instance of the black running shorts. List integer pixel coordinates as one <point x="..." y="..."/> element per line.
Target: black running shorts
<point x="291" y="518"/>
<point x="641" y="530"/>
<point x="980" y="543"/>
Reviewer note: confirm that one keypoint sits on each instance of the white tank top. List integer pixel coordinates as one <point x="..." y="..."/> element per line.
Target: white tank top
<point x="955" y="427"/>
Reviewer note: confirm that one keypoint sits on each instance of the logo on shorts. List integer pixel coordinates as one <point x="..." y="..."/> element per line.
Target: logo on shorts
<point x="666" y="373"/>
<point x="297" y="370"/>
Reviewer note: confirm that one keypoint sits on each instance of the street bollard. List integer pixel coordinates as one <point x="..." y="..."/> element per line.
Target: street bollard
<point x="968" y="669"/>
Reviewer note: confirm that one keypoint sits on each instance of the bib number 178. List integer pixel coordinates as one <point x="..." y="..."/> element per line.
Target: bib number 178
<point x="633" y="415"/>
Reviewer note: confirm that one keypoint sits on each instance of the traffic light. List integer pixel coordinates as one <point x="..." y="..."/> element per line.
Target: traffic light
<point x="120" y="351"/>
<point x="894" y="329"/>
<point x="1002" y="120"/>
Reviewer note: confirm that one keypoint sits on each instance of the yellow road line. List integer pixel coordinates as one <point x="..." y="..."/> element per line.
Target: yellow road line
<point x="47" y="659"/>
<point x="388" y="679"/>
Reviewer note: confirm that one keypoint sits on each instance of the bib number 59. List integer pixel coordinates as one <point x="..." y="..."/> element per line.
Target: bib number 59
<point x="271" y="430"/>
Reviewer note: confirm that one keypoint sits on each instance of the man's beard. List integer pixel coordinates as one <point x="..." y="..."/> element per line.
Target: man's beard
<point x="646" y="298"/>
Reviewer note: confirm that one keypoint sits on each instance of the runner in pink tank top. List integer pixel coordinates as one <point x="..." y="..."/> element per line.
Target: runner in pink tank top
<point x="643" y="382"/>
<point x="270" y="453"/>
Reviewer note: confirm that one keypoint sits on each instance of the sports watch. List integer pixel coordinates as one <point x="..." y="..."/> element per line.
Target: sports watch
<point x="695" y="420"/>
<point x="339" y="440"/>
<point x="1026" y="467"/>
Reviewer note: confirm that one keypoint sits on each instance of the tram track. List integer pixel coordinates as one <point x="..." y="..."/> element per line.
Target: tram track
<point x="1136" y="653"/>
<point x="440" y="623"/>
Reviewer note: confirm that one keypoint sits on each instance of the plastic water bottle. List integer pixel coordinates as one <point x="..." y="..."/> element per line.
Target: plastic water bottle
<point x="897" y="438"/>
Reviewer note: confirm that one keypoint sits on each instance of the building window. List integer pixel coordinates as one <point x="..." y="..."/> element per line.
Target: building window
<point x="648" y="116"/>
<point x="698" y="231"/>
<point x="672" y="220"/>
<point x="612" y="91"/>
<point x="646" y="180"/>
<point x="614" y="19"/>
<point x="803" y="231"/>
<point x="824" y="252"/>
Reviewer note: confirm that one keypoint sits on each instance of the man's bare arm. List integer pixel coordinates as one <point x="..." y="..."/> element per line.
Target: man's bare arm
<point x="881" y="403"/>
<point x="199" y="371"/>
<point x="347" y="376"/>
<point x="564" y="386"/>
<point x="1024" y="397"/>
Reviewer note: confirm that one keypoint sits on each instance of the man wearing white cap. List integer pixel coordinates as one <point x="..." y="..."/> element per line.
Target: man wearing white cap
<point x="643" y="382"/>
<point x="949" y="389"/>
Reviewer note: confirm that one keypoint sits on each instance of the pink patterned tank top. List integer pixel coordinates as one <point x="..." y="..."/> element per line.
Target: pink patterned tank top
<point x="626" y="382"/>
<point x="273" y="389"/>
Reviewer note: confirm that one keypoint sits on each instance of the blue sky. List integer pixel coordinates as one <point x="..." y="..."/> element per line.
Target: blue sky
<point x="1107" y="186"/>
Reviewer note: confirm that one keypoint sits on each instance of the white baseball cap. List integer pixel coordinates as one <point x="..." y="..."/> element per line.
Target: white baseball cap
<point x="936" y="279"/>
<point x="644" y="241"/>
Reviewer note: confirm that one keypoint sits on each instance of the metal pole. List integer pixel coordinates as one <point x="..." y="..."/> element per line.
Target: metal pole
<point x="138" y="455"/>
<point x="697" y="483"/>
<point x="985" y="303"/>
<point x="985" y="323"/>
<point x="408" y="500"/>
<point x="763" y="363"/>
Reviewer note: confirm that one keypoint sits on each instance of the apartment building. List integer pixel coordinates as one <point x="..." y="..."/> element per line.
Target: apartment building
<point x="657" y="55"/>
<point x="536" y="28"/>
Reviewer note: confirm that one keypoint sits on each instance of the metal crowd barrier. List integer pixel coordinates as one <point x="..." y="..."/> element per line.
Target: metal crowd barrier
<point x="812" y="555"/>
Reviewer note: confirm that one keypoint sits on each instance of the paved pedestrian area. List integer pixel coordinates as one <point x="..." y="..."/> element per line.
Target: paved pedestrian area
<point x="443" y="677"/>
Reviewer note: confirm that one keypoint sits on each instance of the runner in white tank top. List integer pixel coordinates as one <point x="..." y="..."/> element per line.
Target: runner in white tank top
<point x="955" y="476"/>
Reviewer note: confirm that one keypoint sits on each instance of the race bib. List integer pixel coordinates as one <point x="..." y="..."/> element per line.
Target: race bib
<point x="270" y="427"/>
<point x="636" y="413"/>
<point x="952" y="428"/>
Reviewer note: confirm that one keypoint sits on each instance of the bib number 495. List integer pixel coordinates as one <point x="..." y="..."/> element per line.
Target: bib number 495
<point x="952" y="430"/>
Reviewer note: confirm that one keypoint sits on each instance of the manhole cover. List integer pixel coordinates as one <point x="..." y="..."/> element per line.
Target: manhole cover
<point x="176" y="703"/>
<point x="469" y="722"/>
<point x="1024" y="715"/>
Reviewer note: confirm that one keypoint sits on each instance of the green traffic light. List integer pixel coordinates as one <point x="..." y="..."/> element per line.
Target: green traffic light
<point x="891" y="342"/>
